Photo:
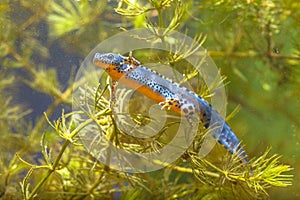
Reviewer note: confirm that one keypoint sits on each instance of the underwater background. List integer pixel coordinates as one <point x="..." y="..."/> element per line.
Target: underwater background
<point x="255" y="44"/>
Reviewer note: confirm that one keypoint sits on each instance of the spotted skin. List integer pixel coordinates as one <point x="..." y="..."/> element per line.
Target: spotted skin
<point x="168" y="94"/>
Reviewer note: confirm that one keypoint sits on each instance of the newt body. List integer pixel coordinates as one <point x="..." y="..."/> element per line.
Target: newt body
<point x="129" y="71"/>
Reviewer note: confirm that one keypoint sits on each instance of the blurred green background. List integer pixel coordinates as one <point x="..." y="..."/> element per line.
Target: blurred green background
<point x="254" y="43"/>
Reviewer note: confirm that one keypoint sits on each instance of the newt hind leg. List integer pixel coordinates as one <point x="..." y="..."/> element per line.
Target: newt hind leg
<point x="170" y="103"/>
<point x="182" y="107"/>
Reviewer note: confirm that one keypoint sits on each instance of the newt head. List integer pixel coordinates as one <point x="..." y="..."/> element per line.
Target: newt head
<point x="107" y="60"/>
<point x="115" y="65"/>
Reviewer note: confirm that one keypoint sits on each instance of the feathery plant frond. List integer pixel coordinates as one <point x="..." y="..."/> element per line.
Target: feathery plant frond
<point x="136" y="8"/>
<point x="269" y="172"/>
<point x="266" y="172"/>
<point x="132" y="9"/>
<point x="67" y="132"/>
<point x="71" y="16"/>
<point x="40" y="84"/>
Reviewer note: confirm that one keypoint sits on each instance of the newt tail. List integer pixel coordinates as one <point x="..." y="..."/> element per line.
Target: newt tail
<point x="168" y="94"/>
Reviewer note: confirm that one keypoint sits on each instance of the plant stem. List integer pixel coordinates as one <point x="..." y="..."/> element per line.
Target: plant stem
<point x="184" y="169"/>
<point x="52" y="168"/>
<point x="49" y="172"/>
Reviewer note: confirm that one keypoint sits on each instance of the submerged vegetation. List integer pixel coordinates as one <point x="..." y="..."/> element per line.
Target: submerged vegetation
<point x="255" y="44"/>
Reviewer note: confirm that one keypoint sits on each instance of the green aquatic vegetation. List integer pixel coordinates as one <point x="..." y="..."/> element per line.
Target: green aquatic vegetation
<point x="69" y="16"/>
<point x="266" y="171"/>
<point x="42" y="156"/>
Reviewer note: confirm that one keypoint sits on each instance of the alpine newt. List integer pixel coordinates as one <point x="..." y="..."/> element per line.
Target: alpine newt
<point x="168" y="94"/>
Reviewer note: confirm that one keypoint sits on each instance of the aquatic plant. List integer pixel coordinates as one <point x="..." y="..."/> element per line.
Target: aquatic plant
<point x="41" y="154"/>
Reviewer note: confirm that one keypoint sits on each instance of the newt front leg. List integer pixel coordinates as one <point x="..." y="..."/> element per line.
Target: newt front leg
<point x="113" y="89"/>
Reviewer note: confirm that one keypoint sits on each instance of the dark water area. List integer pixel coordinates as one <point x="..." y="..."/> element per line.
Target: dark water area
<point x="38" y="102"/>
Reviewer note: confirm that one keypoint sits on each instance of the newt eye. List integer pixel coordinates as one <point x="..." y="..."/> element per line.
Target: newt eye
<point x="110" y="57"/>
